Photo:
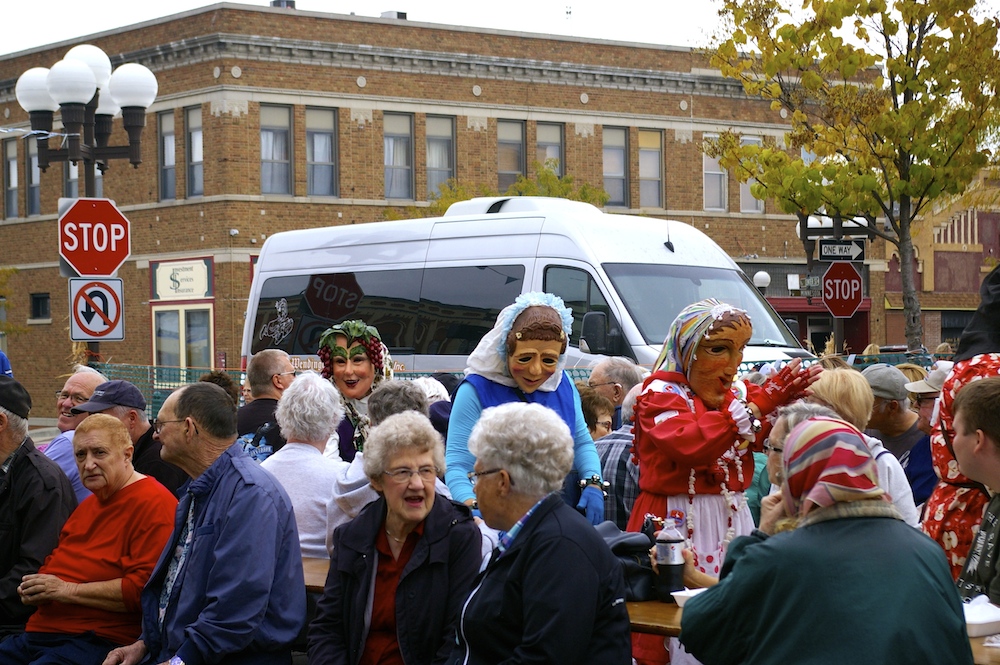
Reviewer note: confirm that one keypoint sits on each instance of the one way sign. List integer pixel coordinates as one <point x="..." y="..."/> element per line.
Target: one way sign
<point x="841" y="250"/>
<point x="95" y="310"/>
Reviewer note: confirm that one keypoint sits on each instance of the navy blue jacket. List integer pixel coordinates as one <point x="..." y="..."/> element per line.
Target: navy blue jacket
<point x="432" y="586"/>
<point x="556" y="595"/>
<point x="240" y="596"/>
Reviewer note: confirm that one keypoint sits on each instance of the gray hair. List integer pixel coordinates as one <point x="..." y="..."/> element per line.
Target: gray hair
<point x="620" y="370"/>
<point x="120" y="412"/>
<point x="18" y="425"/>
<point x="628" y="404"/>
<point x="406" y="432"/>
<point x="392" y="397"/>
<point x="262" y="366"/>
<point x="799" y="412"/>
<point x="530" y="441"/>
<point x="86" y="369"/>
<point x="310" y="410"/>
<point x="434" y="389"/>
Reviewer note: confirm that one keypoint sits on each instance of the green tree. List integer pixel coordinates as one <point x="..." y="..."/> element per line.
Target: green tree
<point x="546" y="182"/>
<point x="893" y="102"/>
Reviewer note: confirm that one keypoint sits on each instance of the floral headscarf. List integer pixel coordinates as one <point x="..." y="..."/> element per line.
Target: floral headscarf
<point x="692" y="324"/>
<point x="490" y="357"/>
<point x="827" y="461"/>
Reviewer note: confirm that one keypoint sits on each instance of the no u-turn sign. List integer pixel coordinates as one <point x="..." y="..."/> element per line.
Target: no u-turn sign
<point x="96" y="310"/>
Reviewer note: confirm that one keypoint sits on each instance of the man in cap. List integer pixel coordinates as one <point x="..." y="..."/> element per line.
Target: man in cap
<point x="77" y="390"/>
<point x="123" y="400"/>
<point x="894" y="423"/>
<point x="35" y="500"/>
<point x="919" y="466"/>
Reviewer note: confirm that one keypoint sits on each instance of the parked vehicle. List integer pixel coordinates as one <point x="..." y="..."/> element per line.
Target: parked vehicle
<point x="433" y="287"/>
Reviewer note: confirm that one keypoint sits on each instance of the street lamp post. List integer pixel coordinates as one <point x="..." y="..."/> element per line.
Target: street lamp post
<point x="88" y="96"/>
<point x="761" y="280"/>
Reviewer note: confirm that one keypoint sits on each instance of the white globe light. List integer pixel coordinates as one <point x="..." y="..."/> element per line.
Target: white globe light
<point x="32" y="91"/>
<point x="71" y="81"/>
<point x="761" y="279"/>
<point x="106" y="105"/>
<point x="96" y="59"/>
<point x="133" y="85"/>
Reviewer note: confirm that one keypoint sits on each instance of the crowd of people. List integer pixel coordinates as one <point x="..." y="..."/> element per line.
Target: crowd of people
<point x="458" y="516"/>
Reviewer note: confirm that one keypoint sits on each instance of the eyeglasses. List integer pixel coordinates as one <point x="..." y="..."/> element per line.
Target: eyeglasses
<point x="402" y="476"/>
<point x="768" y="448"/>
<point x="293" y="373"/>
<point x="77" y="398"/>
<point x="606" y="424"/>
<point x="158" y="424"/>
<point x="474" y="476"/>
<point x="598" y="385"/>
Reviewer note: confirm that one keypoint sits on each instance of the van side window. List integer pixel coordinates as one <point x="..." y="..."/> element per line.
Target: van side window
<point x="433" y="311"/>
<point x="580" y="293"/>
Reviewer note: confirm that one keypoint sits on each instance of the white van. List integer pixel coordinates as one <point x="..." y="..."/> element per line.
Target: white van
<point x="433" y="287"/>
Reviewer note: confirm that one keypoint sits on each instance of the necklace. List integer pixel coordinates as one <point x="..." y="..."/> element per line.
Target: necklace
<point x="394" y="537"/>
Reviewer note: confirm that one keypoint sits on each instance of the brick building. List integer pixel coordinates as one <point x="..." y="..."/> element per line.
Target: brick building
<point x="270" y="119"/>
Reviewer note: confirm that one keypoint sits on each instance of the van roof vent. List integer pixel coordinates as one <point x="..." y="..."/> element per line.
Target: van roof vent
<point x="492" y="204"/>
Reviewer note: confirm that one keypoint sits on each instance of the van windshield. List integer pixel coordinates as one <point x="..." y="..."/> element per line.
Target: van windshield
<point x="655" y="293"/>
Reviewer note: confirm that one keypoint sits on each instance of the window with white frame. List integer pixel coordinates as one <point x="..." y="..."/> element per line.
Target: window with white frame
<point x="397" y="134"/>
<point x="650" y="169"/>
<point x="10" y="178"/>
<point x="440" y="153"/>
<point x="321" y="152"/>
<point x="714" y="181"/>
<point x="747" y="201"/>
<point x="275" y="149"/>
<point x="195" y="153"/>
<point x="168" y="156"/>
<point x="71" y="180"/>
<point x="549" y="145"/>
<point x="510" y="153"/>
<point x="34" y="179"/>
<point x="616" y="165"/>
<point x="183" y="336"/>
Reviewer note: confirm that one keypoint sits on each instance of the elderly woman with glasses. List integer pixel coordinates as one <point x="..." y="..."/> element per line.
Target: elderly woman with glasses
<point x="401" y="569"/>
<point x="552" y="591"/>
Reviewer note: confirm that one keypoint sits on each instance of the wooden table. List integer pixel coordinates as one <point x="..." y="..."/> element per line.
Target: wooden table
<point x="315" y="571"/>
<point x="654" y="617"/>
<point x="650" y="616"/>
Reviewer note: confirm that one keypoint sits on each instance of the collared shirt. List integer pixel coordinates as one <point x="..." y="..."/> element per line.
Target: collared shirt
<point x="621" y="473"/>
<point x="507" y="538"/>
<point x="9" y="462"/>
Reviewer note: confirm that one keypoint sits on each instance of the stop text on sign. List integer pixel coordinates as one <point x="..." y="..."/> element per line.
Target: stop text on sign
<point x="88" y="236"/>
<point x="842" y="289"/>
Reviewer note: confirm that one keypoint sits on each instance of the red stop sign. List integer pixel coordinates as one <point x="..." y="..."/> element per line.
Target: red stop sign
<point x="94" y="237"/>
<point x="842" y="289"/>
<point x="333" y="297"/>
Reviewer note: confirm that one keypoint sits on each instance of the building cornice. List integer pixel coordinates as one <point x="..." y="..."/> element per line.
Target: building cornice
<point x="367" y="58"/>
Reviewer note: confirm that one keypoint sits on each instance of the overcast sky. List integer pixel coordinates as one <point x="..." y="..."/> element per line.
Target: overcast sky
<point x="32" y="23"/>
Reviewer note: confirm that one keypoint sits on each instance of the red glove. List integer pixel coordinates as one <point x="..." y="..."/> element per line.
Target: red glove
<point x="780" y="389"/>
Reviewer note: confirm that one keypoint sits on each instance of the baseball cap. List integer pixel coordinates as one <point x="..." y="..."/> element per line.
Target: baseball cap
<point x="934" y="381"/>
<point x="886" y="381"/>
<point x="14" y="397"/>
<point x="112" y="393"/>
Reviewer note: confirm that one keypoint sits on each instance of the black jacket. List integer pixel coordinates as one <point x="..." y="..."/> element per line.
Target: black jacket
<point x="432" y="587"/>
<point x="35" y="499"/>
<point x="555" y="596"/>
<point x="146" y="460"/>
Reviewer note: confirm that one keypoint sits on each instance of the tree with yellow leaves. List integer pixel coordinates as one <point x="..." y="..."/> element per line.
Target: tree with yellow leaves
<point x="891" y="107"/>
